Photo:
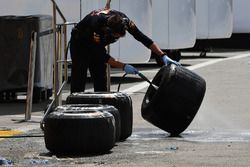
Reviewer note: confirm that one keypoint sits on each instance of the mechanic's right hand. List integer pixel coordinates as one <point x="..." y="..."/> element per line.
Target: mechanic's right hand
<point x="129" y="69"/>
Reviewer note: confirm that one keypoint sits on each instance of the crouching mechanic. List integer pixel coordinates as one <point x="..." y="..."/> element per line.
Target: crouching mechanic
<point x="87" y="47"/>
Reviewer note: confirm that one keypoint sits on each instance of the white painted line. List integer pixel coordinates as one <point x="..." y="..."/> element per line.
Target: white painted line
<point x="136" y="88"/>
<point x="153" y="152"/>
<point x="144" y="84"/>
<point x="239" y="56"/>
<point x="200" y="65"/>
<point x="216" y="61"/>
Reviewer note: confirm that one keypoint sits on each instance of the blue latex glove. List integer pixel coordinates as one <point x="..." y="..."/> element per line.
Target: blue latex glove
<point x="130" y="69"/>
<point x="168" y="61"/>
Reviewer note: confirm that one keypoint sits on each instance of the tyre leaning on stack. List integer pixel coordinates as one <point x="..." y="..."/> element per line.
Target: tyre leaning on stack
<point x="77" y="129"/>
<point x="174" y="105"/>
<point x="119" y="100"/>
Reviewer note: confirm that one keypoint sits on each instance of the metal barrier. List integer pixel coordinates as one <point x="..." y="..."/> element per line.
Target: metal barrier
<point x="58" y="31"/>
<point x="58" y="85"/>
<point x="32" y="59"/>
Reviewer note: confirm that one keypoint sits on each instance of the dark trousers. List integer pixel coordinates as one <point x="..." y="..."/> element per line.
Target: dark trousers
<point x="83" y="58"/>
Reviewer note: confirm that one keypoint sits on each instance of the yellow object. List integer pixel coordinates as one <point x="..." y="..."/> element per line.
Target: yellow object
<point x="8" y="133"/>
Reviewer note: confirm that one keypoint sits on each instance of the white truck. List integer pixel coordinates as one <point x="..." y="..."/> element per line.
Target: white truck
<point x="161" y="20"/>
<point x="240" y="36"/>
<point x="173" y="24"/>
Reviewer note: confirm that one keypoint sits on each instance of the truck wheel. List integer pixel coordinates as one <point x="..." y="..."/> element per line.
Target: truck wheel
<point x="173" y="106"/>
<point x="175" y="55"/>
<point x="75" y="129"/>
<point x="203" y="54"/>
<point x="119" y="100"/>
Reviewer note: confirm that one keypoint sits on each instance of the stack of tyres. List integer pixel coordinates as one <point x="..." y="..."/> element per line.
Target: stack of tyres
<point x="80" y="129"/>
<point x="119" y="100"/>
<point x="107" y="108"/>
<point x="174" y="105"/>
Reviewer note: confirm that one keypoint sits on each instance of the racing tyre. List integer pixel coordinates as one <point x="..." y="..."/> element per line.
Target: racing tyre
<point x="112" y="110"/>
<point x="174" y="105"/>
<point x="77" y="129"/>
<point x="119" y="100"/>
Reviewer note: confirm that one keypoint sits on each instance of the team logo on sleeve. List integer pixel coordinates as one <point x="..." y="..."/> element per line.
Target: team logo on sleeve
<point x="100" y="11"/>
<point x="131" y="24"/>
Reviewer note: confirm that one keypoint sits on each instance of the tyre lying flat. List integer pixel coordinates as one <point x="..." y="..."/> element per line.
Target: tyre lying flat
<point x="77" y="129"/>
<point x="174" y="105"/>
<point x="119" y="100"/>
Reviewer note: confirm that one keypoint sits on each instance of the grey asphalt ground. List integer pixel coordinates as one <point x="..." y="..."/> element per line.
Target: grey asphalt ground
<point x="218" y="136"/>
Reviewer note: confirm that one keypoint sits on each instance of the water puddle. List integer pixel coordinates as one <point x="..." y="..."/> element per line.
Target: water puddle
<point x="194" y="136"/>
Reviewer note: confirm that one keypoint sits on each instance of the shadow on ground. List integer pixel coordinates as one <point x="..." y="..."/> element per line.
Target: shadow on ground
<point x="18" y="107"/>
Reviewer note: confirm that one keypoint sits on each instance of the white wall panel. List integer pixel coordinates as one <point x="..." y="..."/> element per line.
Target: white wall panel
<point x="214" y="19"/>
<point x="128" y="49"/>
<point x="241" y="12"/>
<point x="174" y="23"/>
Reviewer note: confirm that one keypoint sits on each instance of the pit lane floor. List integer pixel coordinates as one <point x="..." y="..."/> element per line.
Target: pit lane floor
<point x="218" y="136"/>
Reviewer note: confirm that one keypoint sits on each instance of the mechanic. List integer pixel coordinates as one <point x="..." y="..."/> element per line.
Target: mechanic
<point x="87" y="47"/>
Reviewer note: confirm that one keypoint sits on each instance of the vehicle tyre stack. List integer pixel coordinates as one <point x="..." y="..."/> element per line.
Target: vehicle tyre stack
<point x="80" y="129"/>
<point x="119" y="100"/>
<point x="174" y="105"/>
<point x="110" y="109"/>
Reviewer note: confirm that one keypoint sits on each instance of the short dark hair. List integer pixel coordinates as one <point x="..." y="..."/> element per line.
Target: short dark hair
<point x="117" y="24"/>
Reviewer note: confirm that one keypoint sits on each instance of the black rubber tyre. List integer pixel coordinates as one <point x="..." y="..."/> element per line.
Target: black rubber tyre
<point x="174" y="105"/>
<point x="76" y="129"/>
<point x="112" y="110"/>
<point x="108" y="108"/>
<point x="119" y="100"/>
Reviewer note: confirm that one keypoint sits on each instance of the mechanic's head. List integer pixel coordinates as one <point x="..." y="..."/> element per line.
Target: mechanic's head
<point x="117" y="25"/>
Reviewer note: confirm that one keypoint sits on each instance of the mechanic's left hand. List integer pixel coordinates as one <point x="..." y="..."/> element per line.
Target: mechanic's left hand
<point x="168" y="61"/>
